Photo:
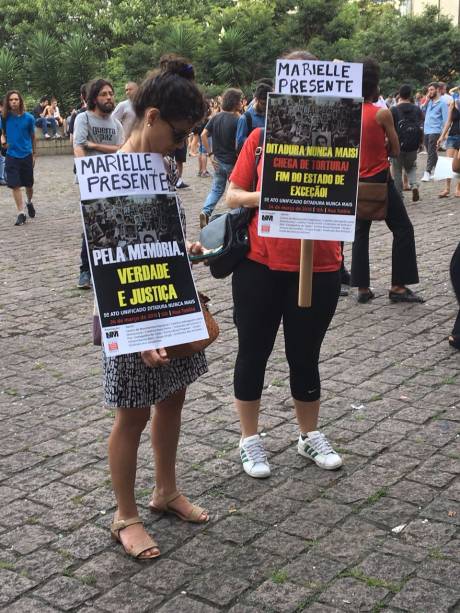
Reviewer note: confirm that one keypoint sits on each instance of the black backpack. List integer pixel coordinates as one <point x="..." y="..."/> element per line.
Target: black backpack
<point x="408" y="128"/>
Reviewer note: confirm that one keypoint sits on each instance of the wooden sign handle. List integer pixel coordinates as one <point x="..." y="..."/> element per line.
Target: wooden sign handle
<point x="306" y="273"/>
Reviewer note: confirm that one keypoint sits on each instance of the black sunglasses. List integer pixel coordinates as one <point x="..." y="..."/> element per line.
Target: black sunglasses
<point x="178" y="135"/>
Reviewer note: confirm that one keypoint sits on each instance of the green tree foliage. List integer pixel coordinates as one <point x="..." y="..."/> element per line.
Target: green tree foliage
<point x="43" y="63"/>
<point x="9" y="69"/>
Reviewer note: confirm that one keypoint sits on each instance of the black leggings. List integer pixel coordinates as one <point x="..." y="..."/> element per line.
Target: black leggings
<point x="263" y="298"/>
<point x="455" y="278"/>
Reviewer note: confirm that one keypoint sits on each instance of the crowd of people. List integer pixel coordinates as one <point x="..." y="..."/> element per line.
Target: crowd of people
<point x="165" y="114"/>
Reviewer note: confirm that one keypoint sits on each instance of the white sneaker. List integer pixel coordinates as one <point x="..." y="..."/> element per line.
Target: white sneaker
<point x="254" y="457"/>
<point x="426" y="176"/>
<point x="316" y="447"/>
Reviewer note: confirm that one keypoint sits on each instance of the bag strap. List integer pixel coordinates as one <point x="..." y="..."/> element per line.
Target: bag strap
<point x="257" y="155"/>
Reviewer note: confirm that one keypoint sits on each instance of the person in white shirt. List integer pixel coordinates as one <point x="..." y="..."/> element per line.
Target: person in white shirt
<point x="124" y="111"/>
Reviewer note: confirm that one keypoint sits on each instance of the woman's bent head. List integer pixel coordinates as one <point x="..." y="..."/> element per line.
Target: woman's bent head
<point x="168" y="104"/>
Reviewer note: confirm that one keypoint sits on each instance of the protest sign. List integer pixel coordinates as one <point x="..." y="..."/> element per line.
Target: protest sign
<point x="311" y="166"/>
<point x="141" y="274"/>
<point x="318" y="78"/>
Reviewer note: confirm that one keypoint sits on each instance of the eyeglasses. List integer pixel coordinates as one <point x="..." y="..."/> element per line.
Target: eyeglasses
<point x="178" y="135"/>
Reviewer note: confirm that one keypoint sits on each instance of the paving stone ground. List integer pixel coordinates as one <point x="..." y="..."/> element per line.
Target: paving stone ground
<point x="302" y="540"/>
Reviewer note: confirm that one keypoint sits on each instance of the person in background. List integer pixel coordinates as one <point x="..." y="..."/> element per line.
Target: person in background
<point x="2" y="154"/>
<point x="41" y="120"/>
<point x="379" y="141"/>
<point x="96" y="133"/>
<point x="436" y="112"/>
<point x="408" y="120"/>
<point x="52" y="111"/>
<point x="451" y="131"/>
<point x="124" y="111"/>
<point x="222" y="128"/>
<point x="254" y="116"/>
<point x="18" y="138"/>
<point x="82" y="109"/>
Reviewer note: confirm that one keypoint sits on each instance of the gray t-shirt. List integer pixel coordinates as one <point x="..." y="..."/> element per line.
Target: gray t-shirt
<point x="125" y="114"/>
<point x="101" y="130"/>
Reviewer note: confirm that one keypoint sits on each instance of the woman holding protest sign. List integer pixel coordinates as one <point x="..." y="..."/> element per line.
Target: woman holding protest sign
<point x="265" y="291"/>
<point x="378" y="141"/>
<point x="167" y="106"/>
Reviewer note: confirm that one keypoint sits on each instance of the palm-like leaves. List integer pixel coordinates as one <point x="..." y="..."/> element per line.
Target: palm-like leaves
<point x="9" y="68"/>
<point x="232" y="66"/>
<point x="78" y="65"/>
<point x="180" y="39"/>
<point x="44" y="63"/>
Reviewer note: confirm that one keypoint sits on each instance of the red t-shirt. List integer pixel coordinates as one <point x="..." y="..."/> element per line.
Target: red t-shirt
<point x="278" y="253"/>
<point x="373" y="157"/>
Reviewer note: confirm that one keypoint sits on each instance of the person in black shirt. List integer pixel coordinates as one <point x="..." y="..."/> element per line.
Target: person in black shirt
<point x="222" y="129"/>
<point x="408" y="120"/>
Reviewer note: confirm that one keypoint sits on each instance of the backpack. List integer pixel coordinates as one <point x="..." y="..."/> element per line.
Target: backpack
<point x="247" y="115"/>
<point x="408" y="129"/>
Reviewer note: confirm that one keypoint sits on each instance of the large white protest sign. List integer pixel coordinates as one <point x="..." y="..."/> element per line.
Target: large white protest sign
<point x="142" y="277"/>
<point x="121" y="174"/>
<point x="318" y="78"/>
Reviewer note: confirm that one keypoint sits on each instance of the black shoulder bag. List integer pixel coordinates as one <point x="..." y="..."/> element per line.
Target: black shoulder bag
<point x="230" y="231"/>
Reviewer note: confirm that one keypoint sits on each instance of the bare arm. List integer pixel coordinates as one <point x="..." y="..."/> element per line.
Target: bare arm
<point x="102" y="148"/>
<point x="204" y="140"/>
<point x="237" y="196"/>
<point x="385" y="119"/>
<point x="447" y="124"/>
<point x="78" y="151"/>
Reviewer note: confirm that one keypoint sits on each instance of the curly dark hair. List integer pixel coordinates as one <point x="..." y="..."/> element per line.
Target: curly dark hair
<point x="172" y="90"/>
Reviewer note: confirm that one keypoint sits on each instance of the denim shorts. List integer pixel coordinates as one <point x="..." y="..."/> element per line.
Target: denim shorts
<point x="453" y="142"/>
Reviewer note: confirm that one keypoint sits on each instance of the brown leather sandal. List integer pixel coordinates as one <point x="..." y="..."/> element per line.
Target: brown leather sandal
<point x="163" y="505"/>
<point x="135" y="552"/>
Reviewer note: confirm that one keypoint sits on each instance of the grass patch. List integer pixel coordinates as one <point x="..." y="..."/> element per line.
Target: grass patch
<point x="278" y="383"/>
<point x="375" y="397"/>
<point x="144" y="491"/>
<point x="449" y="381"/>
<point x="279" y="577"/>
<point x="32" y="520"/>
<point x="10" y="391"/>
<point x="67" y="572"/>
<point x="77" y="499"/>
<point x="372" y="581"/>
<point x="6" y="565"/>
<point x="380" y="493"/>
<point x="436" y="554"/>
<point x="88" y="579"/>
<point x="65" y="553"/>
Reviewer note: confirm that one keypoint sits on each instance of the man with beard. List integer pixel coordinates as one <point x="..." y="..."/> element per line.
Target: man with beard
<point x="96" y="133"/>
<point x="436" y="112"/>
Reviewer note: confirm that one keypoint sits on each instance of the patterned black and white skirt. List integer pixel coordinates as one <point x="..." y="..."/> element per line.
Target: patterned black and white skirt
<point x="129" y="383"/>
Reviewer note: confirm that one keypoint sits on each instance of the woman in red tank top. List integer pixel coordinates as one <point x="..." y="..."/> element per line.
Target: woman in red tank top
<point x="379" y="141"/>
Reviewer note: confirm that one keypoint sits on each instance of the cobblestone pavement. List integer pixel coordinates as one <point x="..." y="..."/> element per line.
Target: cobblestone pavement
<point x="304" y="539"/>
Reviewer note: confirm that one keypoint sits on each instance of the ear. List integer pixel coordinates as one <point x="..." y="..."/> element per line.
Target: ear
<point x="151" y="115"/>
